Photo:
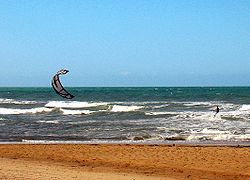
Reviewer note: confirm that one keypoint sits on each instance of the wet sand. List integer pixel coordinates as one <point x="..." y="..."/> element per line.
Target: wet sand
<point x="121" y="161"/>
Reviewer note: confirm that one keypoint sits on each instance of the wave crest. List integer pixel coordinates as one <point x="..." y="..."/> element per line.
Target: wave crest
<point x="245" y="107"/>
<point x="119" y="108"/>
<point x="73" y="104"/>
<point x="24" y="111"/>
<point x="12" y="101"/>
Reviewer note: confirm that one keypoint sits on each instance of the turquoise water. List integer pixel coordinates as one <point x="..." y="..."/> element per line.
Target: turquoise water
<point x="129" y="114"/>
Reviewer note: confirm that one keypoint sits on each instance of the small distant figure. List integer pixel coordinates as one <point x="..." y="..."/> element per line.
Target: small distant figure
<point x="217" y="110"/>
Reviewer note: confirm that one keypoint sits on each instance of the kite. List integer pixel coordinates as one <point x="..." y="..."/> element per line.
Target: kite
<point x="57" y="86"/>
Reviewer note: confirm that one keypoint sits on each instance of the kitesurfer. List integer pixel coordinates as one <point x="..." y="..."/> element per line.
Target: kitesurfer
<point x="217" y="110"/>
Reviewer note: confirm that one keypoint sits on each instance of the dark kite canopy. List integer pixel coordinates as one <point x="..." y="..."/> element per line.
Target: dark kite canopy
<point x="57" y="86"/>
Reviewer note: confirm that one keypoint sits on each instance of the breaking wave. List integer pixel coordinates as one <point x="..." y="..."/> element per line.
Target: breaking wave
<point x="76" y="112"/>
<point x="24" y="111"/>
<point x="160" y="113"/>
<point x="149" y="121"/>
<point x="73" y="104"/>
<point x="5" y="111"/>
<point x="245" y="107"/>
<point x="69" y="111"/>
<point x="217" y="135"/>
<point x="119" y="108"/>
<point x="49" y="122"/>
<point x="12" y="101"/>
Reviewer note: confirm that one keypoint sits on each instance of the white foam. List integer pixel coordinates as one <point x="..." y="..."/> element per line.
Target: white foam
<point x="43" y="110"/>
<point x="212" y="105"/>
<point x="160" y="113"/>
<point x="49" y="122"/>
<point x="223" y="137"/>
<point x="161" y="106"/>
<point x="162" y="129"/>
<point x="213" y="131"/>
<point x="72" y="105"/>
<point x="24" y="111"/>
<point x="210" y="137"/>
<point x="241" y="114"/>
<point x="43" y="141"/>
<point x="245" y="137"/>
<point x="12" y="101"/>
<point x="227" y="137"/>
<point x="216" y="135"/>
<point x="245" y="107"/>
<point x="207" y="116"/>
<point x="75" y="112"/>
<point x="146" y="137"/>
<point x="118" y="108"/>
<point x="197" y="104"/>
<point x="24" y="141"/>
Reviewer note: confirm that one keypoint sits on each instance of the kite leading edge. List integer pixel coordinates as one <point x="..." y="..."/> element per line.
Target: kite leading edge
<point x="57" y="86"/>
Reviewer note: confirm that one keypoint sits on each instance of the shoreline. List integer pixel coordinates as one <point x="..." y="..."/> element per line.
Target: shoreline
<point x="132" y="160"/>
<point x="166" y="143"/>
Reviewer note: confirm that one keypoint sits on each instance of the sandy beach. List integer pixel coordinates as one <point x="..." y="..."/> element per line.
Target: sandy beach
<point x="121" y="161"/>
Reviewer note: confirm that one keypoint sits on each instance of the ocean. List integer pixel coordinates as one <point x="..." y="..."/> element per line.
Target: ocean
<point x="125" y="115"/>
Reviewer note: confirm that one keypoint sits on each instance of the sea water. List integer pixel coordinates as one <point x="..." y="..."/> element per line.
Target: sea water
<point x="126" y="115"/>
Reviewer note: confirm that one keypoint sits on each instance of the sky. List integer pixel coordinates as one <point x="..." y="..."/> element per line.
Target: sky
<point x="125" y="43"/>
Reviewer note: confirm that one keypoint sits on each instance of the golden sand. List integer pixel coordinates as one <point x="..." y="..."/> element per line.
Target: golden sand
<point x="105" y="161"/>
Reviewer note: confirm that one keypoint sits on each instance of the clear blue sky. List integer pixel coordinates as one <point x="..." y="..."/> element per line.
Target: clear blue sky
<point x="125" y="43"/>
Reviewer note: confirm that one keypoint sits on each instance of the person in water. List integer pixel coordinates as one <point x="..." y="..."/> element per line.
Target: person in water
<point x="217" y="110"/>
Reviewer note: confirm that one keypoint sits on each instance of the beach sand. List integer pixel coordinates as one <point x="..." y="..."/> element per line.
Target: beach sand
<point x="121" y="161"/>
